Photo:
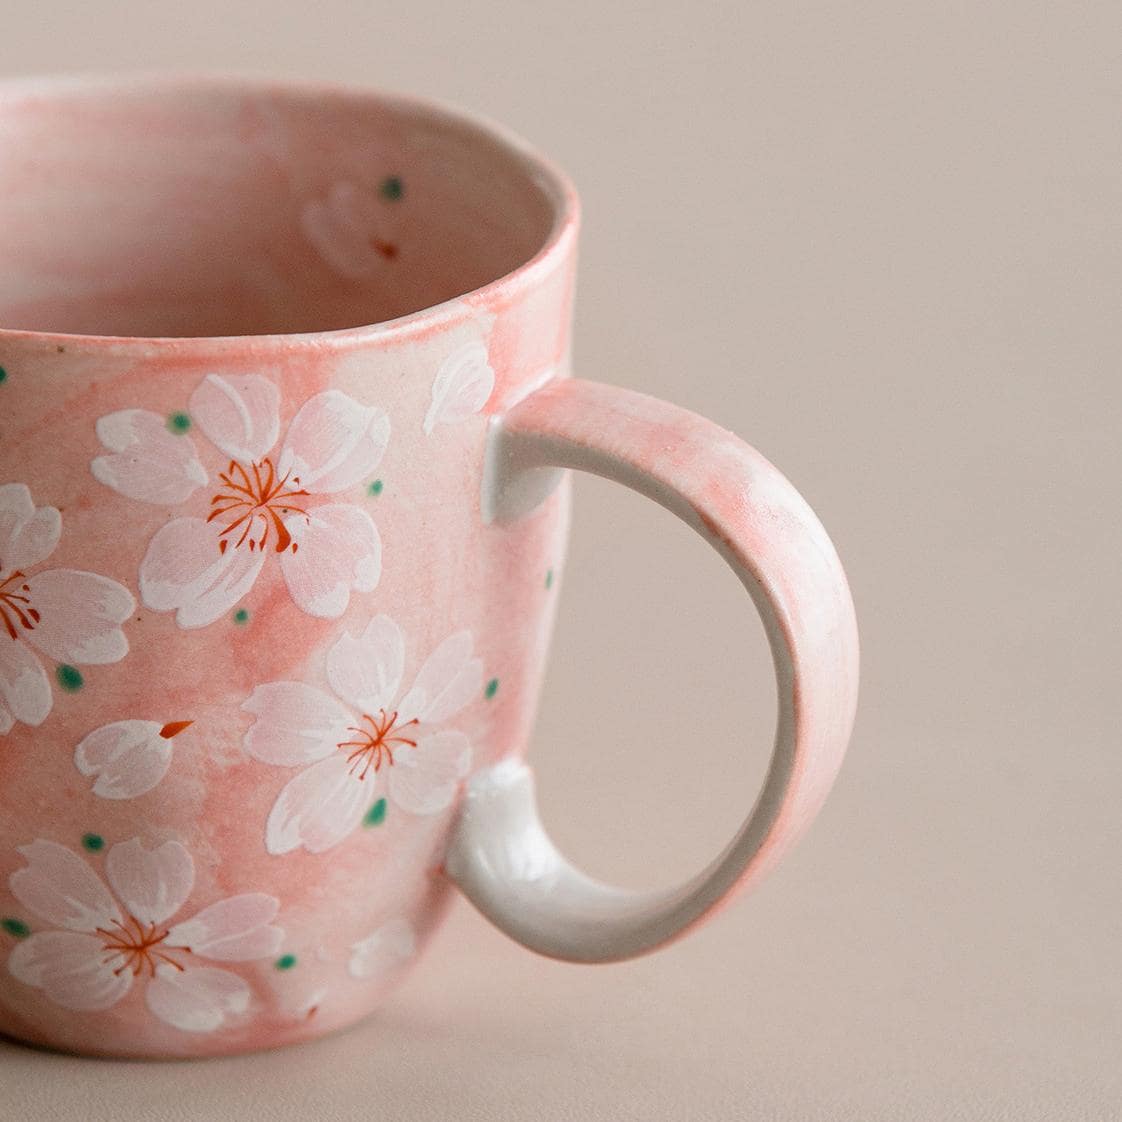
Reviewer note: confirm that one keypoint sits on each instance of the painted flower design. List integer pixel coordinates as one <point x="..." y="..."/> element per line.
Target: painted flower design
<point x="72" y="617"/>
<point x="127" y="758"/>
<point x="348" y="744"/>
<point x="391" y="946"/>
<point x="303" y="1005"/>
<point x="346" y="230"/>
<point x="112" y="938"/>
<point x="463" y="385"/>
<point x="263" y="503"/>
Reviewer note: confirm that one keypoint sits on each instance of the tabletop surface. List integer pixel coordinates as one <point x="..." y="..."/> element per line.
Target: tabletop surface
<point x="880" y="241"/>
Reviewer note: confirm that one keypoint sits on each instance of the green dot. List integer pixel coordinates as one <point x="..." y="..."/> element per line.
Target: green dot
<point x="375" y="488"/>
<point x="16" y="928"/>
<point x="549" y="579"/>
<point x="70" y="678"/>
<point x="3" y="375"/>
<point x="179" y="423"/>
<point x="492" y="689"/>
<point x="241" y="616"/>
<point x="392" y="188"/>
<point x="285" y="962"/>
<point x="376" y="815"/>
<point x="93" y="842"/>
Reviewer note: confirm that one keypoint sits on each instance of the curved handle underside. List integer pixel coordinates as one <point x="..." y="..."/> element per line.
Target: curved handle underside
<point x="499" y="853"/>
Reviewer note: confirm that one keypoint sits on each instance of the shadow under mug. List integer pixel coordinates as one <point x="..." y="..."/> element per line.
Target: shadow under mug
<point x="276" y="589"/>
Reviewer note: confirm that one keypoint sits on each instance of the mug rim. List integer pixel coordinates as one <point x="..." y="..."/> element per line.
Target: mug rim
<point x="555" y="185"/>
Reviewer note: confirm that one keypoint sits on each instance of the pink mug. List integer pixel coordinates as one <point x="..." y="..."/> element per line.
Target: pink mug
<point x="276" y="589"/>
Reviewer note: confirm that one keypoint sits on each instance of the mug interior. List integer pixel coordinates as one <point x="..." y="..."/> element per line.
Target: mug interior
<point x="158" y="208"/>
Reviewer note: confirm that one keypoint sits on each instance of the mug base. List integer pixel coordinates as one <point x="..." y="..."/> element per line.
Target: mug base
<point x="299" y="1034"/>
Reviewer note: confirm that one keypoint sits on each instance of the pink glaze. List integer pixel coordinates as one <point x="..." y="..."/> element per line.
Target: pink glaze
<point x="144" y="208"/>
<point x="276" y="588"/>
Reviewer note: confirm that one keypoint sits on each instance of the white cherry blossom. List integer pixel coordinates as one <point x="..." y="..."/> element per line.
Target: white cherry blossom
<point x="463" y="385"/>
<point x="264" y="503"/>
<point x="67" y="615"/>
<point x="365" y="734"/>
<point x="127" y="758"/>
<point x="104" y="939"/>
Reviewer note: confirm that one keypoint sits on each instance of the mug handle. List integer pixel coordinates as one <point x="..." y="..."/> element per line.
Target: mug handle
<point x="499" y="853"/>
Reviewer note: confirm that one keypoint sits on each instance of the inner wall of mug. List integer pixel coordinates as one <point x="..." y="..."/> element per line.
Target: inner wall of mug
<point x="157" y="209"/>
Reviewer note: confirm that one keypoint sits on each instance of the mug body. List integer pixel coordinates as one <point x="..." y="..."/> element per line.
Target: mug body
<point x="255" y="633"/>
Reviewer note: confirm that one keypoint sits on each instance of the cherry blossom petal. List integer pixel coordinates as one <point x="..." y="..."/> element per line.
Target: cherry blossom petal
<point x="338" y="550"/>
<point x="16" y="509"/>
<point x="296" y="724"/>
<point x="424" y="780"/>
<point x="184" y="571"/>
<point x="198" y="999"/>
<point x="239" y="412"/>
<point x="303" y="1003"/>
<point x="61" y="889"/>
<point x="80" y="616"/>
<point x="128" y="758"/>
<point x="462" y="386"/>
<point x="233" y="930"/>
<point x="388" y="948"/>
<point x="25" y="689"/>
<point x="449" y="680"/>
<point x="334" y="442"/>
<point x="152" y="883"/>
<point x="367" y="671"/>
<point x="71" y="969"/>
<point x="319" y="807"/>
<point x="340" y="228"/>
<point x="148" y="463"/>
<point x="27" y="535"/>
<point x="355" y="207"/>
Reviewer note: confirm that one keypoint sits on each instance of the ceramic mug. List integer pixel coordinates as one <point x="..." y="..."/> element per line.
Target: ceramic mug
<point x="276" y="589"/>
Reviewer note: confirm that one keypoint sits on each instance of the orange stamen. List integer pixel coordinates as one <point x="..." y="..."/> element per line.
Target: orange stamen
<point x="15" y="606"/>
<point x="372" y="747"/>
<point x="255" y="505"/>
<point x="135" y="944"/>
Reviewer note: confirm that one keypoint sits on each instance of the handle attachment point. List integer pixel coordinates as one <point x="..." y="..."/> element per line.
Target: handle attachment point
<point x="513" y="485"/>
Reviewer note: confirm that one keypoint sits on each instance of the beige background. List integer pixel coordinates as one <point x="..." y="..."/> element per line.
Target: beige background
<point x="881" y="241"/>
